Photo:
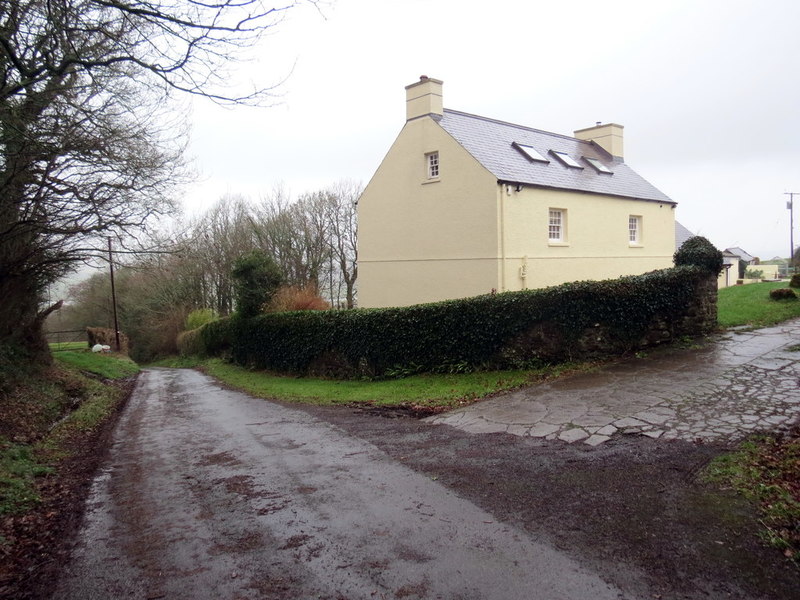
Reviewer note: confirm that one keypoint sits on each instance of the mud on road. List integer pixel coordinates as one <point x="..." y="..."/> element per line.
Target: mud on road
<point x="211" y="494"/>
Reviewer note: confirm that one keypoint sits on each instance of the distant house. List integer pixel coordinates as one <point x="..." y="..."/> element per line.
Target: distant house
<point x="463" y="205"/>
<point x="681" y="235"/>
<point x="730" y="270"/>
<point x="747" y="258"/>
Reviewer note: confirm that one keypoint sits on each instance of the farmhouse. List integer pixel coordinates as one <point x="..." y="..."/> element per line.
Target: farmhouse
<point x="463" y="205"/>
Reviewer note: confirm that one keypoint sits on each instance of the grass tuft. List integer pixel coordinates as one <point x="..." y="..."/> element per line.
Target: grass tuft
<point x="19" y="469"/>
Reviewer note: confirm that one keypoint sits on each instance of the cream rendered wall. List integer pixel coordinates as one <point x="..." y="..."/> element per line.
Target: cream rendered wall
<point x="424" y="240"/>
<point x="596" y="245"/>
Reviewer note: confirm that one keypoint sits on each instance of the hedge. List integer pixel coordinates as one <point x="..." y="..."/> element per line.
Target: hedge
<point x="497" y="330"/>
<point x="190" y="343"/>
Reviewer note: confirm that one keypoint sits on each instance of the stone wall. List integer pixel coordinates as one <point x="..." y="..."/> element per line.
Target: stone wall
<point x="546" y="341"/>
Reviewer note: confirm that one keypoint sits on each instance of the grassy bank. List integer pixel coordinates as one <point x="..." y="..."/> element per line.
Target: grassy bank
<point x="751" y="305"/>
<point x="52" y="436"/>
<point x="108" y="366"/>
<point x="44" y="416"/>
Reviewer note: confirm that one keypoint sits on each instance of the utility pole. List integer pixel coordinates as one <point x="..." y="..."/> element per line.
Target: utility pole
<point x="790" y="206"/>
<point x="113" y="294"/>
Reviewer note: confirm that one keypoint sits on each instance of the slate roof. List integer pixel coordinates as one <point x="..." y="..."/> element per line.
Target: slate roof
<point x="746" y="257"/>
<point x="681" y="235"/>
<point x="490" y="143"/>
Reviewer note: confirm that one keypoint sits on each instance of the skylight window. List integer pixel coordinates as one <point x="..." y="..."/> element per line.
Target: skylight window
<point x="598" y="166"/>
<point x="530" y="152"/>
<point x="566" y="159"/>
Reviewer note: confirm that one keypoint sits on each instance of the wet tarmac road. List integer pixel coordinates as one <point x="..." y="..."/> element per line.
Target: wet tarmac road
<point x="209" y="493"/>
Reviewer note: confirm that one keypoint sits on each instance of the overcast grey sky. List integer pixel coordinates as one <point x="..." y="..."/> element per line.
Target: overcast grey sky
<point x="708" y="92"/>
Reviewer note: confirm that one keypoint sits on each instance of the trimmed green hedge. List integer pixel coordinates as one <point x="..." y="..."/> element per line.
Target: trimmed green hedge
<point x="698" y="251"/>
<point x="485" y="331"/>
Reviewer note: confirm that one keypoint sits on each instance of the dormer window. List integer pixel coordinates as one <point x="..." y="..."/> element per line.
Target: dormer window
<point x="566" y="160"/>
<point x="530" y="152"/>
<point x="598" y="166"/>
<point x="432" y="160"/>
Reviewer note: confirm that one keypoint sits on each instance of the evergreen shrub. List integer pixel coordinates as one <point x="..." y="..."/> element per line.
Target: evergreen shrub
<point x="783" y="294"/>
<point x="698" y="251"/>
<point x="795" y="281"/>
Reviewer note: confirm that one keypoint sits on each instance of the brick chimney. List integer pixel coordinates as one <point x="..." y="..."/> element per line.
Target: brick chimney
<point x="608" y="137"/>
<point x="424" y="98"/>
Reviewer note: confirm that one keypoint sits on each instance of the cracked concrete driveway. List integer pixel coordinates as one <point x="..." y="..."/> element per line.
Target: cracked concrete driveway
<point x="741" y="382"/>
<point x="209" y="493"/>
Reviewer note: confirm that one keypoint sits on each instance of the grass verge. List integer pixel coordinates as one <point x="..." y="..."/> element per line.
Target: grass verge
<point x="423" y="394"/>
<point x="766" y="470"/>
<point x="751" y="305"/>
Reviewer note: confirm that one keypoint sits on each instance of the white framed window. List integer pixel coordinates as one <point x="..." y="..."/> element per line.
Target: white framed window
<point x="556" y="225"/>
<point x="432" y="160"/>
<point x="634" y="230"/>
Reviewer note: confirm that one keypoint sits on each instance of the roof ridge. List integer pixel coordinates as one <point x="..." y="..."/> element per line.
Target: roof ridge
<point x="498" y="121"/>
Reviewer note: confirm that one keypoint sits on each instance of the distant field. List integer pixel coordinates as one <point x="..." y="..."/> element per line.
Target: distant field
<point x="751" y="305"/>
<point x="56" y="346"/>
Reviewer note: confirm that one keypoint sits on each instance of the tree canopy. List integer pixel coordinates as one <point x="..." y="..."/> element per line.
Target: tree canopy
<point x="87" y="145"/>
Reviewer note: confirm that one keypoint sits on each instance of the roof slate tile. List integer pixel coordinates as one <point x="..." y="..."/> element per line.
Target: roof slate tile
<point x="490" y="143"/>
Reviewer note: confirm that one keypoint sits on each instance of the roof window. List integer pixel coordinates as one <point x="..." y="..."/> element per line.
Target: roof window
<point x="598" y="166"/>
<point x="530" y="152"/>
<point x="566" y="159"/>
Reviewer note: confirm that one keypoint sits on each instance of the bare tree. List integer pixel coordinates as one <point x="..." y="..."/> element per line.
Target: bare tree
<point x="343" y="235"/>
<point x="295" y="234"/>
<point x="84" y="149"/>
<point x="222" y="235"/>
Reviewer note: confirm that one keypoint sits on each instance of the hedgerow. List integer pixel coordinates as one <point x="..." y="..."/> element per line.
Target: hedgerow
<point x="492" y="330"/>
<point x="190" y="343"/>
